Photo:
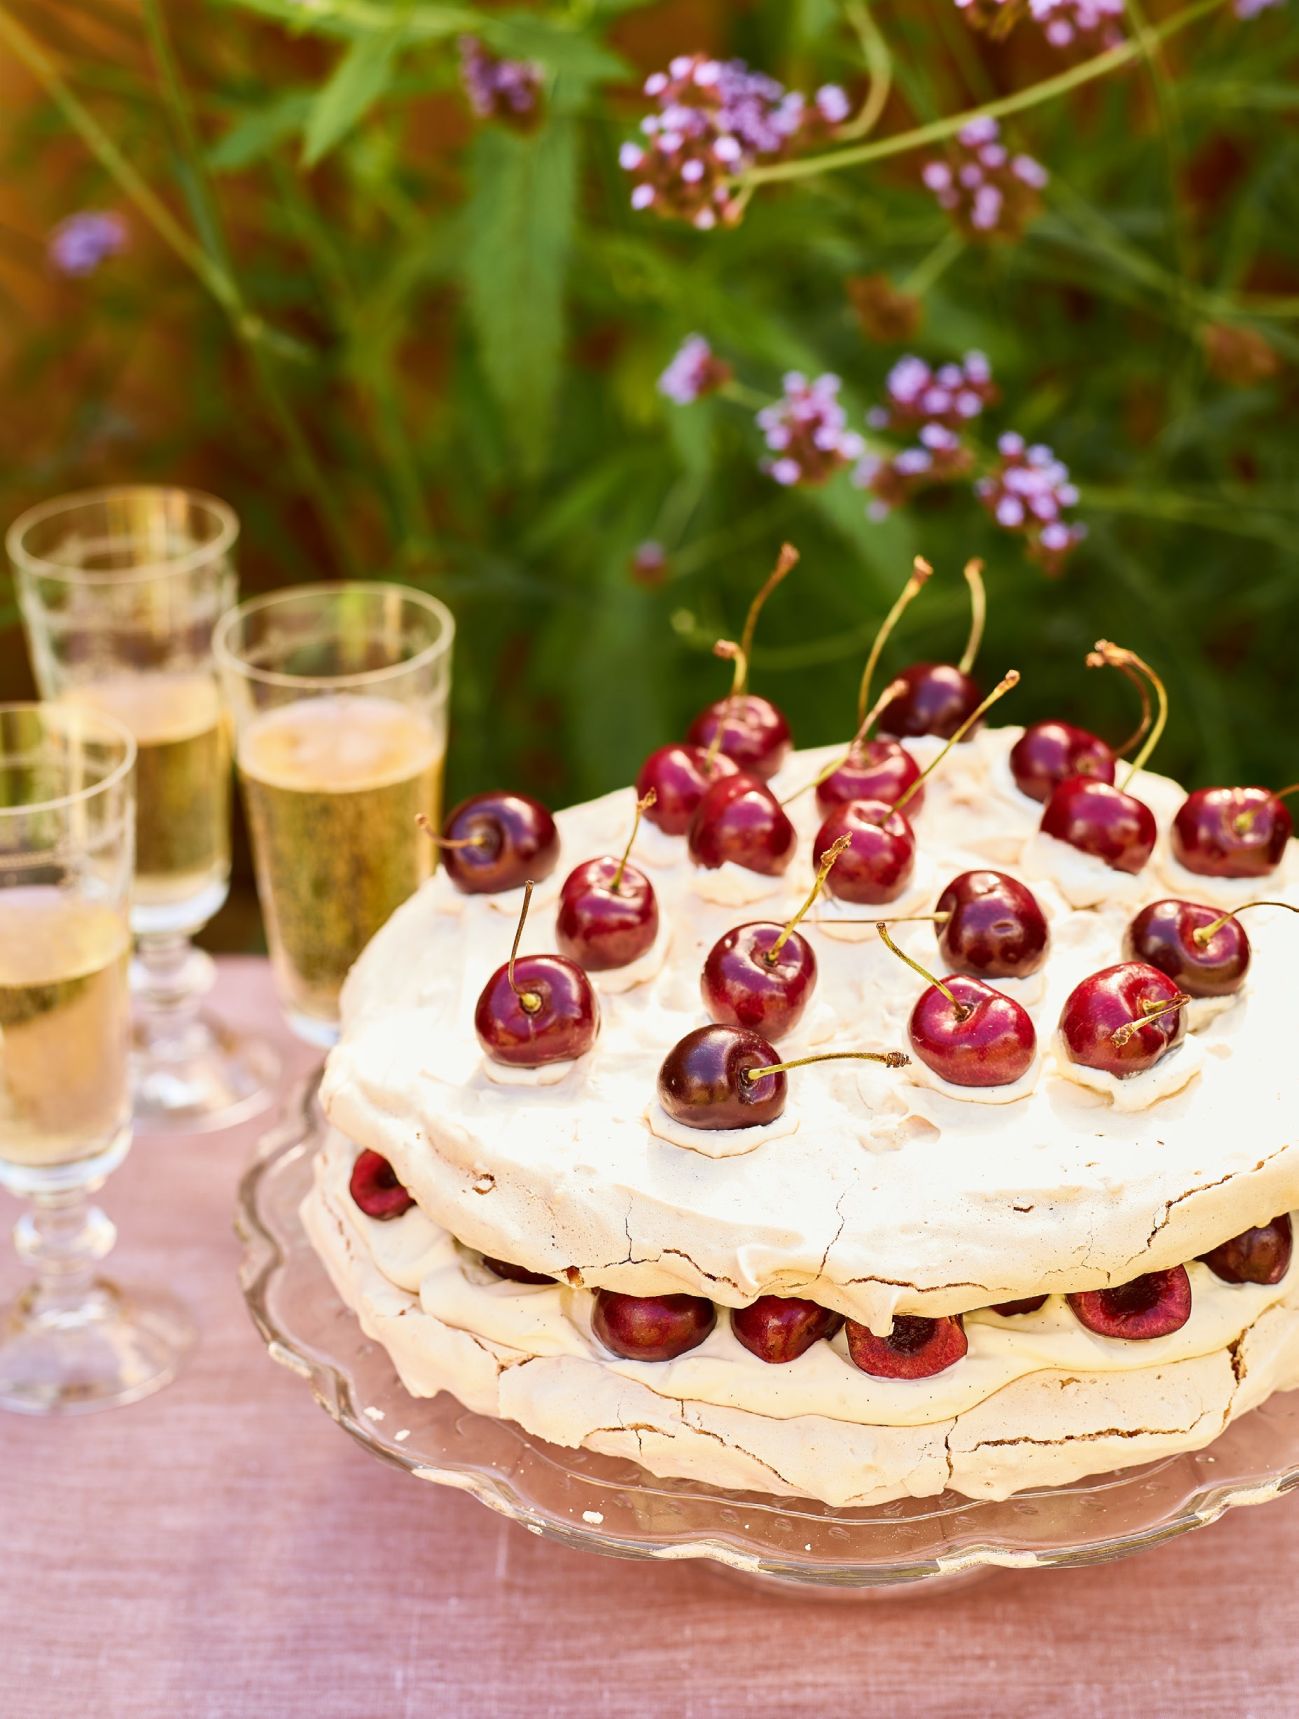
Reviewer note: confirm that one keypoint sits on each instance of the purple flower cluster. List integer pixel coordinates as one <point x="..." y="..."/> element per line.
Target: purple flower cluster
<point x="1028" y="492"/>
<point x="989" y="192"/>
<point x="80" y="244"/>
<point x="695" y="370"/>
<point x="715" y="119"/>
<point x="939" y="456"/>
<point x="508" y="90"/>
<point x="951" y="395"/>
<point x="1252" y="8"/>
<point x="807" y="430"/>
<point x="1094" y="23"/>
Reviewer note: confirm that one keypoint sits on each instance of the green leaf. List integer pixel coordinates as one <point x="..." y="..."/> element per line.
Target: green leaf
<point x="558" y="47"/>
<point x="356" y="83"/>
<point x="255" y="135"/>
<point x="519" y="224"/>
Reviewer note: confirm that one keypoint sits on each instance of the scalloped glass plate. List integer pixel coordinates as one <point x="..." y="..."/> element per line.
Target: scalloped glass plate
<point x="603" y="1504"/>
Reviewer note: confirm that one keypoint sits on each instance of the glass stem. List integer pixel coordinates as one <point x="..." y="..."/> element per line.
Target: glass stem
<point x="63" y="1238"/>
<point x="169" y="980"/>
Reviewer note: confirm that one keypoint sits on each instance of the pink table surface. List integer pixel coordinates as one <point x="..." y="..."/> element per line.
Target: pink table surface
<point x="224" y="1550"/>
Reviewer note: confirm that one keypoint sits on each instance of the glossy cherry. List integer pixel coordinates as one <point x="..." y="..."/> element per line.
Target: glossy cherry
<point x="1154" y="1305"/>
<point x="677" y="776"/>
<point x="608" y="912"/>
<point x="1259" y="1255"/>
<point x="536" y="1009"/>
<point x="748" y="729"/>
<point x="374" y="1187"/>
<point x="705" y="1079"/>
<point x="651" y="1327"/>
<point x="1203" y="952"/>
<point x="994" y="927"/>
<point x="1012" y="1309"/>
<point x="916" y="1348"/>
<point x="1048" y="753"/>
<point x="514" y="1273"/>
<point x="498" y="841"/>
<point x="1123" y="1019"/>
<point x="745" y="985"/>
<point x="740" y="821"/>
<point x="1098" y="819"/>
<point x="936" y="699"/>
<point x="966" y="1032"/>
<point x="872" y="770"/>
<point x="778" y="1328"/>
<point x="880" y="858"/>
<point x="1231" y="832"/>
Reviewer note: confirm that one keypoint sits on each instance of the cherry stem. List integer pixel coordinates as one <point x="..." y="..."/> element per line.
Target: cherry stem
<point x="728" y="651"/>
<point x="1095" y="660"/>
<point x="642" y="805"/>
<point x="1206" y="933"/>
<point x="1119" y="657"/>
<point x="978" y="613"/>
<point x="921" y="570"/>
<point x="823" y="871"/>
<point x="1008" y="680"/>
<point x="786" y="561"/>
<point x="529" y="1001"/>
<point x="477" y="841"/>
<point x="893" y="690"/>
<point x="890" y="1059"/>
<point x="963" y="1010"/>
<point x="1149" y="1012"/>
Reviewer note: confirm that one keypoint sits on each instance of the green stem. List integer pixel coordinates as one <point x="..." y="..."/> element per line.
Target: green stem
<point x="930" y="268"/>
<point x="744" y="396"/>
<point x="879" y="63"/>
<point x="939" y="130"/>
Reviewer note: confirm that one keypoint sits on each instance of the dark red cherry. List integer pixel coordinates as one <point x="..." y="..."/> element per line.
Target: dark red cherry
<point x="937" y="699"/>
<point x="741" y="821"/>
<point x="779" y="1328"/>
<point x="995" y="927"/>
<point x="1047" y="753"/>
<point x="1011" y="1309"/>
<point x="1154" y="1305"/>
<point x="1165" y="935"/>
<point x="874" y="770"/>
<point x="678" y="776"/>
<point x="608" y="915"/>
<point x="1260" y="1255"/>
<point x="880" y="858"/>
<point x="916" y="1348"/>
<point x="755" y="735"/>
<point x="1123" y="1019"/>
<point x="514" y="1273"/>
<point x="704" y="1081"/>
<point x="1099" y="819"/>
<point x="374" y="1187"/>
<point x="651" y="1327"/>
<point x="1231" y="832"/>
<point x="983" y="1038"/>
<point x="548" y="1014"/>
<point x="498" y="841"/>
<point x="742" y="988"/>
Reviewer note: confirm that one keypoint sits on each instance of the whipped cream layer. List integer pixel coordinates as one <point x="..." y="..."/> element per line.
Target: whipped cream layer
<point x="892" y="1194"/>
<point x="1038" y="1399"/>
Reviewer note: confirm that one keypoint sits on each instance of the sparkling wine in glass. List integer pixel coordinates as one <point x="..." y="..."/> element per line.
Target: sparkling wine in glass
<point x="120" y="591"/>
<point x="72" y="1340"/>
<point x="338" y="695"/>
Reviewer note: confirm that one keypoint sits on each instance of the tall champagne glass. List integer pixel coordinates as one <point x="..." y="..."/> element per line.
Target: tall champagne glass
<point x="338" y="695"/>
<point x="71" y="1341"/>
<point x="120" y="591"/>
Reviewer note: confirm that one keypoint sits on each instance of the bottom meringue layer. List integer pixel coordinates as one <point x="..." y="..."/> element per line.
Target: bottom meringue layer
<point x="525" y="1354"/>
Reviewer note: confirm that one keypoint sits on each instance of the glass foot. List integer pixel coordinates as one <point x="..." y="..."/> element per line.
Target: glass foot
<point x="114" y="1346"/>
<point x="202" y="1076"/>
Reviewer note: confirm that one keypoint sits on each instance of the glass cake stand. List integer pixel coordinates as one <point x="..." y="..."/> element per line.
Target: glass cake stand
<point x="605" y="1504"/>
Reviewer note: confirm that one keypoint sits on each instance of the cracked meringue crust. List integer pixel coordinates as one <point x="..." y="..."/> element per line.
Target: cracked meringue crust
<point x="889" y="1197"/>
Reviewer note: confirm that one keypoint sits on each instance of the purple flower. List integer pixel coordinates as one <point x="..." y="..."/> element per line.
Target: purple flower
<point x="1252" y="8"/>
<point x="1064" y="23"/>
<point x="989" y="193"/>
<point x="807" y="431"/>
<point x="508" y="90"/>
<point x="952" y="395"/>
<point x="693" y="372"/>
<point x="1029" y="492"/>
<point x="80" y="244"/>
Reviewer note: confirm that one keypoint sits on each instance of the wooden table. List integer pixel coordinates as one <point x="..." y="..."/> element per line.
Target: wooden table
<point x="224" y="1551"/>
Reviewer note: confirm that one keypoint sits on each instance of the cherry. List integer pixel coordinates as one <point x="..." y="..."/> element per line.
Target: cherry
<point x="1232" y="832"/>
<point x="608" y="912"/>
<point x="514" y="1273"/>
<point x="940" y="698"/>
<point x="1047" y="753"/>
<point x="729" y="1077"/>
<point x="778" y="1328"/>
<point x="677" y="776"/>
<point x="1205" y="953"/>
<point x="1123" y="1019"/>
<point x="497" y="841"/>
<point x="651" y="1327"/>
<point x="1012" y="1309"/>
<point x="739" y="819"/>
<point x="761" y="976"/>
<point x="1259" y="1255"/>
<point x="1154" y="1305"/>
<point x="536" y="1008"/>
<point x="374" y="1186"/>
<point x="993" y="926"/>
<point x="966" y="1032"/>
<point x="916" y="1348"/>
<point x="872" y="770"/>
<point x="748" y="729"/>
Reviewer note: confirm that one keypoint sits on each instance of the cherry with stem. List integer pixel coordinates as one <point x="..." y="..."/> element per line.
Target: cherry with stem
<point x="608" y="913"/>
<point x="536" y="1009"/>
<point x="748" y="729"/>
<point x="964" y="1030"/>
<point x="939" y="696"/>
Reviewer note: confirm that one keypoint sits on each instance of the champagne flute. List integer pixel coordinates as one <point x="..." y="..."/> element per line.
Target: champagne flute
<point x="338" y="695"/>
<point x="71" y="1341"/>
<point x="120" y="590"/>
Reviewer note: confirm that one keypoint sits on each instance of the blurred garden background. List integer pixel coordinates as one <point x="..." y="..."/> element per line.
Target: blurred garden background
<point x="408" y="284"/>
